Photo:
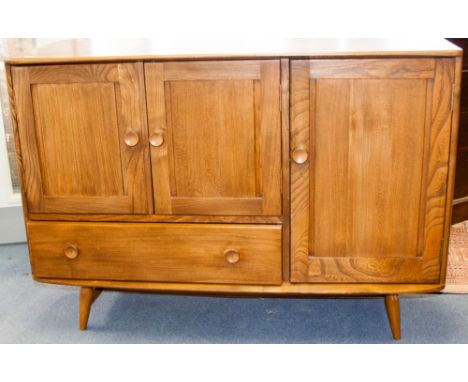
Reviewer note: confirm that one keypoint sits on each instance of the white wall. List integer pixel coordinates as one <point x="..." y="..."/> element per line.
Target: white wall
<point x="11" y="214"/>
<point x="12" y="228"/>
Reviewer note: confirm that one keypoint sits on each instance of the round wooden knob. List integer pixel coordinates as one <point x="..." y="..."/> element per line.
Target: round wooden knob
<point x="299" y="155"/>
<point x="131" y="138"/>
<point x="232" y="255"/>
<point x="157" y="139"/>
<point x="71" y="251"/>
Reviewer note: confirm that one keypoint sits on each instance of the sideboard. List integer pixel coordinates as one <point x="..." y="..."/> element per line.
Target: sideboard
<point x="289" y="168"/>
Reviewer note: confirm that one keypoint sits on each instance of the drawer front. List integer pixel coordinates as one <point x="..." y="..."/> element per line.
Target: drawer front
<point x="208" y="253"/>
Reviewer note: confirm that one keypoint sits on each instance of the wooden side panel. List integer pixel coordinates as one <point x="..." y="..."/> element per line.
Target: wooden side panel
<point x="437" y="180"/>
<point x="377" y="171"/>
<point x="457" y="213"/>
<point x="73" y="123"/>
<point x="157" y="252"/>
<point x="221" y="150"/>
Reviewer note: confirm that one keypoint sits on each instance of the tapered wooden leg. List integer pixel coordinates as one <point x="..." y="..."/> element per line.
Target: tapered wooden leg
<point x="87" y="296"/>
<point x="392" y="304"/>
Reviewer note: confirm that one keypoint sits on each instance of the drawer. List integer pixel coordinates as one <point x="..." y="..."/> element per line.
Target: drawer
<point x="208" y="253"/>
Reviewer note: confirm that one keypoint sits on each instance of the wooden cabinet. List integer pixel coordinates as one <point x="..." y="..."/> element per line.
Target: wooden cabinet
<point x="370" y="162"/>
<point x="83" y="135"/>
<point x="215" y="137"/>
<point x="313" y="168"/>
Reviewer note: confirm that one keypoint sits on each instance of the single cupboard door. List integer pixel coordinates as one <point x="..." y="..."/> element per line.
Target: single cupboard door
<point x="83" y="135"/>
<point x="370" y="146"/>
<point x="215" y="136"/>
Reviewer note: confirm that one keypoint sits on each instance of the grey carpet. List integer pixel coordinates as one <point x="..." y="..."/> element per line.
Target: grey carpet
<point x="32" y="312"/>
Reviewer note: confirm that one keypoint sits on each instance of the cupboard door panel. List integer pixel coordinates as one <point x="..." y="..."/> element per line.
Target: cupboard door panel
<point x="368" y="204"/>
<point x="90" y="118"/>
<point x="215" y="136"/>
<point x="198" y="110"/>
<point x="83" y="135"/>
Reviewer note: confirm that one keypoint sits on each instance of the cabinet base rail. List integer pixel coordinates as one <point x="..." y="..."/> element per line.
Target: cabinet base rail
<point x="88" y="296"/>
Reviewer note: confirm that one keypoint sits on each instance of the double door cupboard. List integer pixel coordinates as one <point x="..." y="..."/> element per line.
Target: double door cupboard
<point x="325" y="168"/>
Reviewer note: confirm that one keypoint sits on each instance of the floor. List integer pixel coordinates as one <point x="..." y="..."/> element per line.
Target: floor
<point x="31" y="312"/>
<point x="457" y="267"/>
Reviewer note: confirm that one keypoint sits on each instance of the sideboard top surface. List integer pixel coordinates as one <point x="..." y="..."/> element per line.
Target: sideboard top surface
<point x="86" y="50"/>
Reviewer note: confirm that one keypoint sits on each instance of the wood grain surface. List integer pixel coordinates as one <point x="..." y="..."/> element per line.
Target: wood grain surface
<point x="157" y="218"/>
<point x="369" y="204"/>
<point x="92" y="50"/>
<point x="285" y="289"/>
<point x="157" y="252"/>
<point x="310" y="167"/>
<point x="222" y="137"/>
<point x="72" y="120"/>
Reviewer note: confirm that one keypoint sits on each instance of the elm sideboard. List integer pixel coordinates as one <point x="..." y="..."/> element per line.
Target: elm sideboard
<point x="291" y="167"/>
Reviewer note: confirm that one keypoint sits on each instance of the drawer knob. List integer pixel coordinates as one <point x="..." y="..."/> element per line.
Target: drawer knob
<point x="157" y="139"/>
<point x="131" y="138"/>
<point x="71" y="251"/>
<point x="232" y="255"/>
<point x="299" y="155"/>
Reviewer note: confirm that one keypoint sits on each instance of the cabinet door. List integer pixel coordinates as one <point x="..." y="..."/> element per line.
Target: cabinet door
<point x="83" y="137"/>
<point x="215" y="137"/>
<point x="370" y="147"/>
